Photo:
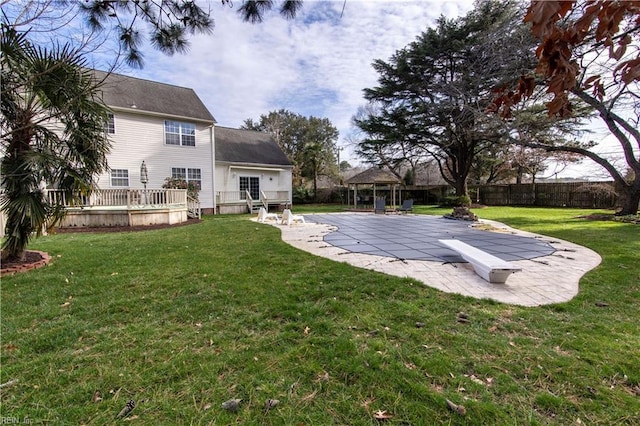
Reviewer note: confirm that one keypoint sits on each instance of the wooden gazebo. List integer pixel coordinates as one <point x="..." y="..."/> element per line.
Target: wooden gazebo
<point x="376" y="177"/>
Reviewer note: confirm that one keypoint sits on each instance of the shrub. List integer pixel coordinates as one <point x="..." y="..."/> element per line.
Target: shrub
<point x="456" y="201"/>
<point x="177" y="183"/>
<point x="302" y="195"/>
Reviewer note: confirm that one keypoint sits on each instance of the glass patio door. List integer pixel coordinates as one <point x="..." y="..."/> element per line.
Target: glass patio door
<point x="251" y="184"/>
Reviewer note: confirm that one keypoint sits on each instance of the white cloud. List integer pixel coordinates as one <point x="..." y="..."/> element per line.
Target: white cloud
<point x="317" y="64"/>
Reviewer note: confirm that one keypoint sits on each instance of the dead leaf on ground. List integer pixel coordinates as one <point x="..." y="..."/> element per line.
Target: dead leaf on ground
<point x="96" y="396"/>
<point x="206" y="406"/>
<point x="310" y="397"/>
<point x="382" y="415"/>
<point x="232" y="405"/>
<point x="307" y="330"/>
<point x="410" y="365"/>
<point x="457" y="408"/>
<point x="270" y="403"/>
<point x="367" y="402"/>
<point x="322" y="377"/>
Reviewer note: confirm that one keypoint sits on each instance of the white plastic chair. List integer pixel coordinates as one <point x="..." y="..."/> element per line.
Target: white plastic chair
<point x="290" y="218"/>
<point x="263" y="215"/>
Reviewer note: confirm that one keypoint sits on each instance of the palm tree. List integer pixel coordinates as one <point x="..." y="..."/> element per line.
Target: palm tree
<point x="53" y="133"/>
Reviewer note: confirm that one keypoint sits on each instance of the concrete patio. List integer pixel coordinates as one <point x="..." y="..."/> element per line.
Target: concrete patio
<point x="407" y="246"/>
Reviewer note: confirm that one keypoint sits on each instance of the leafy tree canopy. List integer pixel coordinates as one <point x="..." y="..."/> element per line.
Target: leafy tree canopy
<point x="588" y="52"/>
<point x="309" y="142"/>
<point x="431" y="95"/>
<point x="53" y="125"/>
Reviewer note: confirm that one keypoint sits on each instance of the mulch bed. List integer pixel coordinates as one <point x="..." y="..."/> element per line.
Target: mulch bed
<point x="106" y="229"/>
<point x="36" y="259"/>
<point x="33" y="259"/>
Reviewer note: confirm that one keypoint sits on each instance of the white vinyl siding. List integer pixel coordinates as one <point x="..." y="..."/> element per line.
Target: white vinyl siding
<point x="179" y="133"/>
<point x="141" y="137"/>
<point x="120" y="177"/>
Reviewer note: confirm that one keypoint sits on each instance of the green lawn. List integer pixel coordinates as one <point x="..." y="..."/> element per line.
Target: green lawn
<point x="183" y="319"/>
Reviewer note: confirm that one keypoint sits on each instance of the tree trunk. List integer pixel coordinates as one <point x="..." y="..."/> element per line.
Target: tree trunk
<point x="461" y="186"/>
<point x="315" y="185"/>
<point x="630" y="197"/>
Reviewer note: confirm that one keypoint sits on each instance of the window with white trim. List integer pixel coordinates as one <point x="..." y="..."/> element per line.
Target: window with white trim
<point x="119" y="177"/>
<point x="188" y="175"/>
<point x="179" y="133"/>
<point x="195" y="176"/>
<point x="110" y="125"/>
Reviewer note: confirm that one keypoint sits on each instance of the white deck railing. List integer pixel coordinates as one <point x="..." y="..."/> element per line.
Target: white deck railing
<point x="229" y="197"/>
<point x="122" y="197"/>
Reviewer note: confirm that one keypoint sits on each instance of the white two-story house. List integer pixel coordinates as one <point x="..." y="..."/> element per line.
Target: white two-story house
<point x="166" y="126"/>
<point x="170" y="129"/>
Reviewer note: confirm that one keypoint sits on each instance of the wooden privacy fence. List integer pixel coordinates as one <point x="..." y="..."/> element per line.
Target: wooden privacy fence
<point x="563" y="194"/>
<point x="556" y="194"/>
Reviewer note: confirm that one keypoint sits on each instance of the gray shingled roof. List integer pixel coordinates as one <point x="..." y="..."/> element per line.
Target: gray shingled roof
<point x="373" y="175"/>
<point x="247" y="146"/>
<point x="122" y="91"/>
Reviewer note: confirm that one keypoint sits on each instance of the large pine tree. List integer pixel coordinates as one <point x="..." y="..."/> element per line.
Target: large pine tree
<point x="433" y="93"/>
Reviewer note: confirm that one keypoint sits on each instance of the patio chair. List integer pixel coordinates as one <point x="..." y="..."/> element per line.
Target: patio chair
<point x="263" y="215"/>
<point x="380" y="205"/>
<point x="407" y="206"/>
<point x="290" y="218"/>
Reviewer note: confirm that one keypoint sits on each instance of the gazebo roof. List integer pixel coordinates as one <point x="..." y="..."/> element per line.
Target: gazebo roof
<point x="374" y="175"/>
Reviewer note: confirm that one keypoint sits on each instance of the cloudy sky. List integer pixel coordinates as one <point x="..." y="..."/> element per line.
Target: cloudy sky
<point x="317" y="64"/>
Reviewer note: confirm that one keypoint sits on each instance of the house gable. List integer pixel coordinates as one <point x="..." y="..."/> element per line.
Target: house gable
<point x="130" y="93"/>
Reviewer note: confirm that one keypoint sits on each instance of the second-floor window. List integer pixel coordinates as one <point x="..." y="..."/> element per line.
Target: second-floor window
<point x="110" y="125"/>
<point x="179" y="133"/>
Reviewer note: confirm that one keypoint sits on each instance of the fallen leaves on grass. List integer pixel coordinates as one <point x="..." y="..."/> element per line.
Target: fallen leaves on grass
<point x="462" y="318"/>
<point x="382" y="415"/>
<point x="232" y="405"/>
<point x="270" y="403"/>
<point x="322" y="377"/>
<point x="310" y="396"/>
<point x="367" y="402"/>
<point x="127" y="409"/>
<point x="456" y="408"/>
<point x="475" y="379"/>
